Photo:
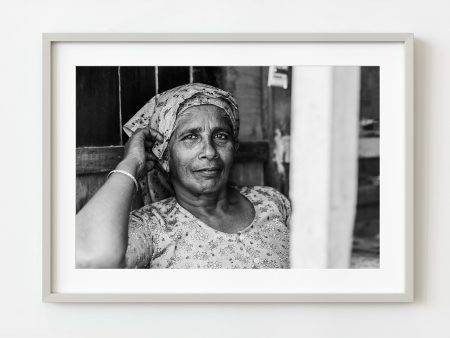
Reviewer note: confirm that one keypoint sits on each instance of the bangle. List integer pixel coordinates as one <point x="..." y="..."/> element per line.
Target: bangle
<point x="126" y="174"/>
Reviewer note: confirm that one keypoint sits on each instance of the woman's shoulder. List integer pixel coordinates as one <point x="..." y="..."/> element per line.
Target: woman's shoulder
<point x="262" y="191"/>
<point x="160" y="209"/>
<point x="268" y="196"/>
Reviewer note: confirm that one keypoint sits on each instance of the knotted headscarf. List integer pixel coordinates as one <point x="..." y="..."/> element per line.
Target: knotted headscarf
<point x="161" y="114"/>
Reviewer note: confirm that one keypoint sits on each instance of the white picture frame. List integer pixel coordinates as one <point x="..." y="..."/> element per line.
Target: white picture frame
<point x="393" y="284"/>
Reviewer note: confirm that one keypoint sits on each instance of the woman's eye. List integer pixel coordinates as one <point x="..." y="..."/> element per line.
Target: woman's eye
<point x="222" y="136"/>
<point x="190" y="137"/>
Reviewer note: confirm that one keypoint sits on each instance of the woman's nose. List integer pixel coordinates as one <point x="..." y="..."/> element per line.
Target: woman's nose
<point x="208" y="151"/>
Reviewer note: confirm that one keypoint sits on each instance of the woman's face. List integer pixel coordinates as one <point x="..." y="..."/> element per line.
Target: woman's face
<point x="201" y="150"/>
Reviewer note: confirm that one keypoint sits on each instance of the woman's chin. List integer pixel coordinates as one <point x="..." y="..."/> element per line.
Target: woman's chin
<point x="204" y="184"/>
<point x="210" y="186"/>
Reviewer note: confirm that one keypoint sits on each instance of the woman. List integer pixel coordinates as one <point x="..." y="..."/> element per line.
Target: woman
<point x="187" y="135"/>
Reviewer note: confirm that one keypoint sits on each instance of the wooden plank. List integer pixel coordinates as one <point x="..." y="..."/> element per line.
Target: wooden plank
<point x="103" y="159"/>
<point x="90" y="160"/>
<point x="97" y="106"/>
<point x="137" y="87"/>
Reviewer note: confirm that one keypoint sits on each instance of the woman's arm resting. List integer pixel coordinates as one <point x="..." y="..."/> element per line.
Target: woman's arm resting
<point x="102" y="224"/>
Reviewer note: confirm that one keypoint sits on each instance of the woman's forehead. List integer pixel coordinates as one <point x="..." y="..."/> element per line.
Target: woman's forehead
<point x="202" y="116"/>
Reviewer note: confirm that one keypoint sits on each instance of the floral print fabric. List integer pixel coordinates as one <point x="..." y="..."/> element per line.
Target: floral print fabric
<point x="165" y="235"/>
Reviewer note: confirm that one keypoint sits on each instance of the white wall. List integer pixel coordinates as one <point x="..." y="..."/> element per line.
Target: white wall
<point x="23" y="314"/>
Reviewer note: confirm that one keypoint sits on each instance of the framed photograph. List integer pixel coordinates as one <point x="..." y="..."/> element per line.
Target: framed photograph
<point x="228" y="167"/>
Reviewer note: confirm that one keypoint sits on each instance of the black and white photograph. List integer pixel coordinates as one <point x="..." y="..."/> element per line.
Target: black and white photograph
<point x="192" y="167"/>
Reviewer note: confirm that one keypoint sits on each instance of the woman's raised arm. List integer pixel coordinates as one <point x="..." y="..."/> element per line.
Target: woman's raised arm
<point x="102" y="224"/>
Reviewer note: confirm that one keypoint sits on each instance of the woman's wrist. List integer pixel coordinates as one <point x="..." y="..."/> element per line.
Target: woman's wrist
<point x="130" y="165"/>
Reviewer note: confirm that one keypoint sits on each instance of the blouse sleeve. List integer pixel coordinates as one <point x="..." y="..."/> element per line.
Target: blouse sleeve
<point x="283" y="203"/>
<point x="285" y="206"/>
<point x="139" y="251"/>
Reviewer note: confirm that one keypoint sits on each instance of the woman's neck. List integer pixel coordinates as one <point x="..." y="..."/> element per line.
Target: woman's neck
<point x="206" y="204"/>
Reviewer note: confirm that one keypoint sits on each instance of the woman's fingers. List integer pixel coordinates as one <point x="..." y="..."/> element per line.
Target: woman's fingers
<point x="151" y="133"/>
<point x="155" y="135"/>
<point x="140" y="144"/>
<point x="137" y="131"/>
<point x="151" y="160"/>
<point x="148" y="144"/>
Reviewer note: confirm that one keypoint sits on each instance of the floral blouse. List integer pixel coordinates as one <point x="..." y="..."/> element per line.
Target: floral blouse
<point x="165" y="235"/>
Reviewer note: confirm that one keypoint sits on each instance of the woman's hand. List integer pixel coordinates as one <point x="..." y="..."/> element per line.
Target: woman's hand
<point x="138" y="157"/>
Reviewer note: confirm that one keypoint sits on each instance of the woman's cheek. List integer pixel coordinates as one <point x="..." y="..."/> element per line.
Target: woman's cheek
<point x="187" y="155"/>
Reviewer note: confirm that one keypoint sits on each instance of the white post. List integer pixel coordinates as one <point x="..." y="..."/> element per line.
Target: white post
<point x="324" y="164"/>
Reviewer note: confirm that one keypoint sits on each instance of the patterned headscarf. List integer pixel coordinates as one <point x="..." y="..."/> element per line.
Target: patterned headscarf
<point x="161" y="114"/>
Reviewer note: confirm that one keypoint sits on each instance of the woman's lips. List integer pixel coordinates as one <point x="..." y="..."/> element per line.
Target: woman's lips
<point x="209" y="172"/>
